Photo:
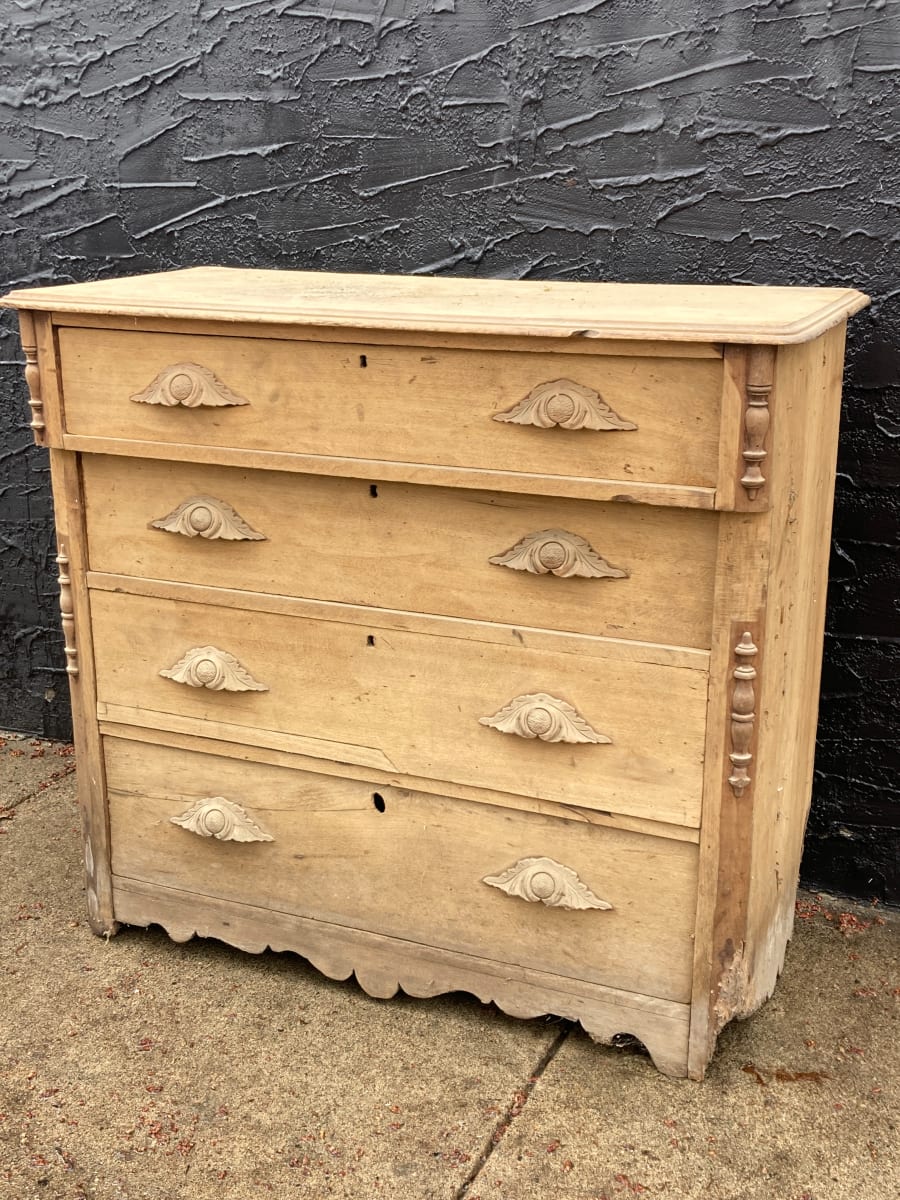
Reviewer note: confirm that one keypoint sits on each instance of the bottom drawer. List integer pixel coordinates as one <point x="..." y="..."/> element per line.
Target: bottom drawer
<point x="411" y="866"/>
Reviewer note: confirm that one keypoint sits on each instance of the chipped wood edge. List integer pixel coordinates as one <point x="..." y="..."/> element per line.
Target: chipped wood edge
<point x="428" y="474"/>
<point x="383" y="965"/>
<point x="557" y="642"/>
<point x="361" y="336"/>
<point x="726" y="862"/>
<point x="742" y="568"/>
<point x="184" y="739"/>
<point x="394" y="316"/>
<point x="796" y="608"/>
<point x="680" y="822"/>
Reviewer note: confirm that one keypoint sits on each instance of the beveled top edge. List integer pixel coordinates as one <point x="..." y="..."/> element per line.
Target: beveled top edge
<point x="663" y="312"/>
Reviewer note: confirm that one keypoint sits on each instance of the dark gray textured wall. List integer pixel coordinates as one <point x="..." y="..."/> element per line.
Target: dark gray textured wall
<point x="724" y="140"/>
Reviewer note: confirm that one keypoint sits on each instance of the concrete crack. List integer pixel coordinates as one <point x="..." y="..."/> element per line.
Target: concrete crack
<point x="520" y="1099"/>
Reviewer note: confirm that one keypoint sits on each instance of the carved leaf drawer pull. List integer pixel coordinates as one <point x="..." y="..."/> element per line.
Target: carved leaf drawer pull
<point x="545" y="717"/>
<point x="223" y="819"/>
<point x="206" y="517"/>
<point x="557" y="552"/>
<point x="547" y="881"/>
<point x="209" y="667"/>
<point x="564" y="403"/>
<point x="188" y="385"/>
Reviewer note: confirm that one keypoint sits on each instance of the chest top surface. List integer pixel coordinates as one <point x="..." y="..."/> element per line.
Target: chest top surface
<point x="668" y="312"/>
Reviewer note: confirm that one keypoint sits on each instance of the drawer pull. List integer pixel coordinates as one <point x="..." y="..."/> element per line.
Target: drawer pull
<point x="564" y="403"/>
<point x="206" y="517"/>
<point x="557" y="552"/>
<point x="209" y="667"/>
<point x="546" y="881"/>
<point x="545" y="717"/>
<point x="223" y="819"/>
<point x="188" y="385"/>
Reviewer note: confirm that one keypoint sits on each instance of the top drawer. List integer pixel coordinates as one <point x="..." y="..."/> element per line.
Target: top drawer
<point x="645" y="420"/>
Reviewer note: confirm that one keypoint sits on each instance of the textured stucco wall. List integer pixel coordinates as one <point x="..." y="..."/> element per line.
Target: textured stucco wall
<point x="725" y="141"/>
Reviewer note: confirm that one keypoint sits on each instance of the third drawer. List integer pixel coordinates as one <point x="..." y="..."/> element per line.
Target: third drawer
<point x="459" y="702"/>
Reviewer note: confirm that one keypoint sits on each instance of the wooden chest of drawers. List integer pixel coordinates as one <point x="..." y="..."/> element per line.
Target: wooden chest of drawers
<point x="456" y="634"/>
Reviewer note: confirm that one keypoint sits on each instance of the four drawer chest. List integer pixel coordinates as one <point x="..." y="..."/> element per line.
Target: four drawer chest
<point x="455" y="634"/>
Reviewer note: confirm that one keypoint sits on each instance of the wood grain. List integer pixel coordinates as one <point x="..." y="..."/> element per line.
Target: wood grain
<point x="91" y="783"/>
<point x="768" y="315"/>
<point x="416" y="699"/>
<point x="383" y="965"/>
<point x="407" y="547"/>
<point x="526" y="342"/>
<point x="172" y="731"/>
<point x="805" y="429"/>
<point x="413" y="871"/>
<point x="571" y="486"/>
<point x="397" y="403"/>
<point x="342" y="552"/>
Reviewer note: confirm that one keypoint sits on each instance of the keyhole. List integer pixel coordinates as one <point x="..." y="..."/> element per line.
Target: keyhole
<point x="370" y="639"/>
<point x="373" y="490"/>
<point x="378" y="801"/>
<point x="363" y="361"/>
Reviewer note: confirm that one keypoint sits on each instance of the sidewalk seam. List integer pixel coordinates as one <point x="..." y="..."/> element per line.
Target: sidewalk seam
<point x="520" y="1099"/>
<point x="56" y="777"/>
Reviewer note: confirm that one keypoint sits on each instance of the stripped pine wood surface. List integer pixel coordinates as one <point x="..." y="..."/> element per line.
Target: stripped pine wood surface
<point x="401" y="546"/>
<point x="458" y="634"/>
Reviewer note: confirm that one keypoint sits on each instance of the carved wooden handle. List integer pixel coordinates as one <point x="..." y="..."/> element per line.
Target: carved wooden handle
<point x="546" y="881"/>
<point x="188" y="385"/>
<point x="545" y="717"/>
<point x="223" y="819"/>
<point x="565" y="403"/>
<point x="209" y="667"/>
<point x="557" y="552"/>
<point x="206" y="517"/>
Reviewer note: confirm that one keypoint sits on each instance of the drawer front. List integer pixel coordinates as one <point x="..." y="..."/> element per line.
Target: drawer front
<point x="644" y="573"/>
<point x="659" y="416"/>
<point x="409" y="865"/>
<point x="448" y="703"/>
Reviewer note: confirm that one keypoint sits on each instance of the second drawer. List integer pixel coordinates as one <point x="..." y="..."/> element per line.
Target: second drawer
<point x="402" y="546"/>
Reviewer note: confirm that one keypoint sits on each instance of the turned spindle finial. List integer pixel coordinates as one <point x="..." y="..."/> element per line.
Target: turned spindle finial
<point x="760" y="368"/>
<point x="743" y="714"/>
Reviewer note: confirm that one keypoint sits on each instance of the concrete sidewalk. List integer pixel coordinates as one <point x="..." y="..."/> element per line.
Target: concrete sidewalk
<point x="139" y="1069"/>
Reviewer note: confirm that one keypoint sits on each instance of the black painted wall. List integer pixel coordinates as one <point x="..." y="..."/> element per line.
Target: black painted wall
<point x="705" y="140"/>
